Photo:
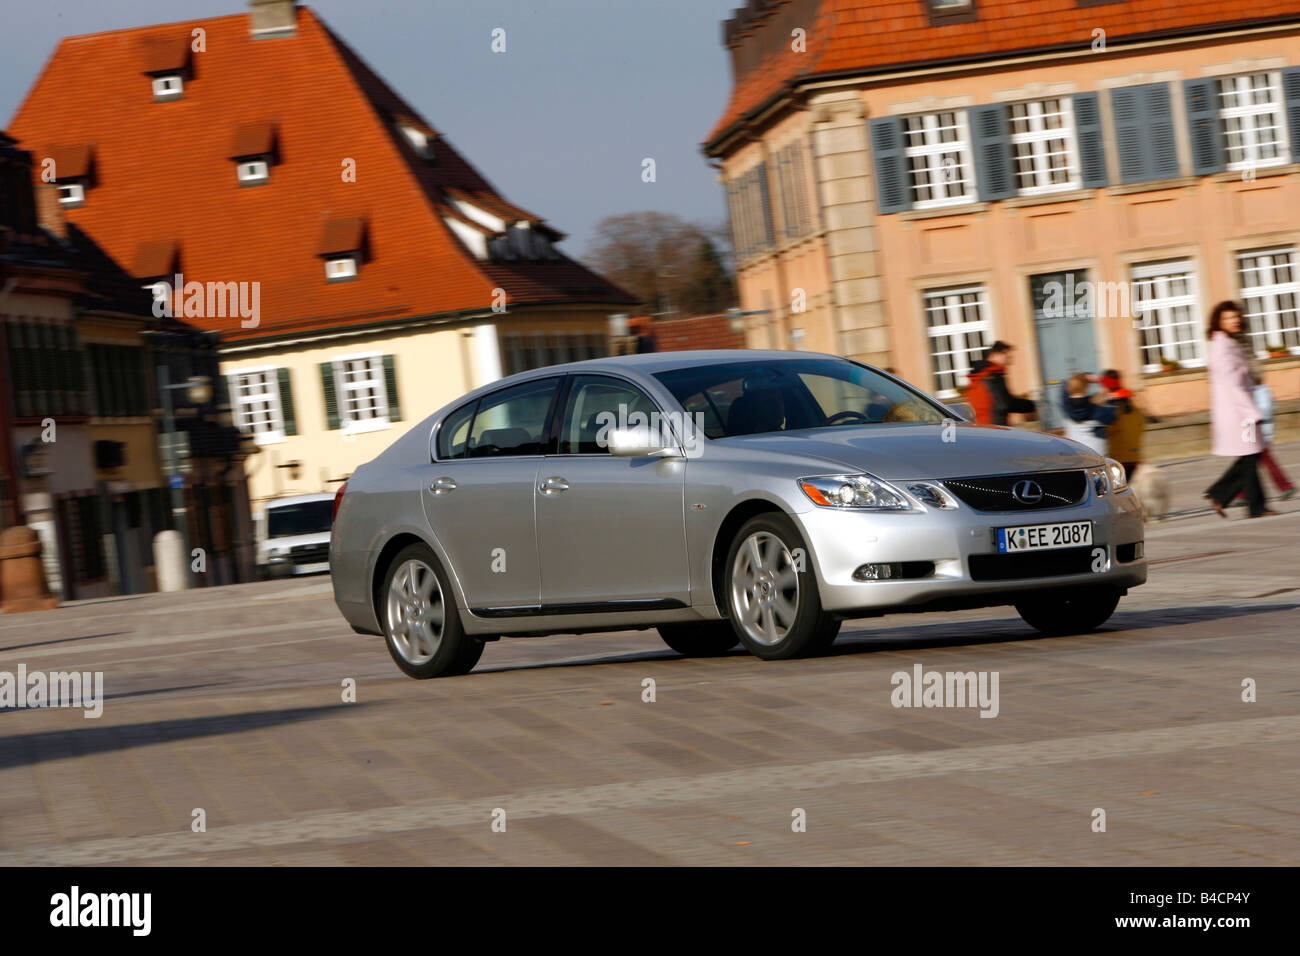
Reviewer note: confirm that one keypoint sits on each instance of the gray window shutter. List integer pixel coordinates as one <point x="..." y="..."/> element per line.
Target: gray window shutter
<point x="331" y="403"/>
<point x="286" y="402"/>
<point x="991" y="143"/>
<point x="1163" y="137"/>
<point x="1144" y="130"/>
<point x="390" y="388"/>
<point x="1092" y="140"/>
<point x="1291" y="99"/>
<point x="769" y="233"/>
<point x="893" y="182"/>
<point x="1203" y="125"/>
<point x="1126" y="106"/>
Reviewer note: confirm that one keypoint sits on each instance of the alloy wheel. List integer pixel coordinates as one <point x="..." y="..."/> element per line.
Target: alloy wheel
<point x="415" y="612"/>
<point x="764" y="588"/>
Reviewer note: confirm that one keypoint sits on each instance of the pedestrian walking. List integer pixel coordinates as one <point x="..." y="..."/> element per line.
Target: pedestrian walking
<point x="986" y="387"/>
<point x="1235" y="418"/>
<point x="1087" y="417"/>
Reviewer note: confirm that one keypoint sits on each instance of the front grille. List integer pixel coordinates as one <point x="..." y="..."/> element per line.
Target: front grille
<point x="1030" y="564"/>
<point x="1058" y="489"/>
<point x="310" y="553"/>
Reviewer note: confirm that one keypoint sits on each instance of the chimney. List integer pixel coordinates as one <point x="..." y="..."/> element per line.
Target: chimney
<point x="272" y="18"/>
<point x="49" y="211"/>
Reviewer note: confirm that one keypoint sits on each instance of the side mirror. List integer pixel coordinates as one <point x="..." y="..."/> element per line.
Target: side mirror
<point x="639" y="442"/>
<point x="962" y="411"/>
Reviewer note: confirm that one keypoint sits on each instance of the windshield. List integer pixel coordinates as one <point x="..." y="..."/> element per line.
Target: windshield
<point x="305" y="517"/>
<point x="750" y="398"/>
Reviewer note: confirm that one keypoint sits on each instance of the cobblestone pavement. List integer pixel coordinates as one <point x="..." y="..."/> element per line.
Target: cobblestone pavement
<point x="230" y="700"/>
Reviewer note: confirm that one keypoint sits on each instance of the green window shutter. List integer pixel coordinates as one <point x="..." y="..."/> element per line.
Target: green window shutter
<point x="991" y="143"/>
<point x="1126" y="106"/>
<point x="390" y="387"/>
<point x="1092" y="140"/>
<point x="286" y="402"/>
<point x="1203" y="125"/>
<point x="331" y="403"/>
<point x="893" y="183"/>
<point x="1291" y="99"/>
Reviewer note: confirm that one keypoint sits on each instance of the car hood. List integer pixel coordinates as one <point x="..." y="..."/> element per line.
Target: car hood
<point x="920" y="451"/>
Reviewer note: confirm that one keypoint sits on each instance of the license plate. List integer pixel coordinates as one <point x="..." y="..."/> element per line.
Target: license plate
<point x="1044" y="537"/>
<point x="313" y="568"/>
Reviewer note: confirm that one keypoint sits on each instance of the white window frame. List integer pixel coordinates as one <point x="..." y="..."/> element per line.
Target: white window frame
<point x="931" y="153"/>
<point x="1038" y="138"/>
<point x="1154" y="305"/>
<point x="1268" y="294"/>
<point x="341" y="268"/>
<point x="952" y="334"/>
<point x="269" y="431"/>
<point x="253" y="171"/>
<point x="1243" y="87"/>
<point x="376" y="381"/>
<point x="75" y="195"/>
<point x="162" y="88"/>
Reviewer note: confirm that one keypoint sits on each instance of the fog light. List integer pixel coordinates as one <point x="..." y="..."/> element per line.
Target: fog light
<point x="878" y="572"/>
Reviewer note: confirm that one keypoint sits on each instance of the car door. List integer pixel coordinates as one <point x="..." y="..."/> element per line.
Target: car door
<point x="609" y="530"/>
<point x="479" y="494"/>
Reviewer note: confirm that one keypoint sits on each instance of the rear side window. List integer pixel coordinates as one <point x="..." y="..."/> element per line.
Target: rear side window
<point x="596" y="405"/>
<point x="453" y="436"/>
<point x="513" y="420"/>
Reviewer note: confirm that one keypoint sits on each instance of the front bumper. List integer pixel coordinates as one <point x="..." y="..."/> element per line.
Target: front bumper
<point x="841" y="541"/>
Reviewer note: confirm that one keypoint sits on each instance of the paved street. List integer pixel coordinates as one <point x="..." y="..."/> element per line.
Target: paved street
<point x="230" y="700"/>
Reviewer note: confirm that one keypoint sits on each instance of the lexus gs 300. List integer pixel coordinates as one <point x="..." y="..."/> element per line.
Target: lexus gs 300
<point x="723" y="498"/>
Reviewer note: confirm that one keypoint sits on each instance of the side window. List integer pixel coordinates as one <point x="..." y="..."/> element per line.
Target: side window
<point x="595" y="405"/>
<point x="512" y="421"/>
<point x="453" y="436"/>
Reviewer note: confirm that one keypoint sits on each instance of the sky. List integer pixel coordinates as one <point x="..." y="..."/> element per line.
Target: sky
<point x="559" y="123"/>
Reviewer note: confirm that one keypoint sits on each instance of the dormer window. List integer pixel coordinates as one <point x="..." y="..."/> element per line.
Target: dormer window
<point x="72" y="170"/>
<point x="341" y="268"/>
<point x="419" y="139"/>
<point x="72" y="194"/>
<point x="166" y="61"/>
<point x="255" y="172"/>
<point x="344" y="247"/>
<point x="168" y="87"/>
<point x="254" y="149"/>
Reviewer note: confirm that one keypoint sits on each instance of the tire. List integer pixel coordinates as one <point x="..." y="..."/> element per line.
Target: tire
<point x="774" y="608"/>
<point x="705" y="639"/>
<point x="1076" y="611"/>
<point x="423" y="633"/>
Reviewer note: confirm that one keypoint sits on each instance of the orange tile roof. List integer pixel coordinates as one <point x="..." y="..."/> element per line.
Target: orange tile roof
<point x="164" y="173"/>
<point x="877" y="35"/>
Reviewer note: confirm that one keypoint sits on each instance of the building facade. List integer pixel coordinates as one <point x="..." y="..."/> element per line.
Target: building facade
<point x="910" y="181"/>
<point x="268" y="186"/>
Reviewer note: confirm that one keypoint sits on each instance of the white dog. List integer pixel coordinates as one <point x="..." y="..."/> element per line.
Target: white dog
<point x="1152" y="489"/>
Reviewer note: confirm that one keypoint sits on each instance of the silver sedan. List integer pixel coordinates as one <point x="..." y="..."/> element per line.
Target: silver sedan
<point x="724" y="498"/>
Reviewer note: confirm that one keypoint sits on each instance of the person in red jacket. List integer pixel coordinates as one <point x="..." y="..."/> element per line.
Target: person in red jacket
<point x="986" y="387"/>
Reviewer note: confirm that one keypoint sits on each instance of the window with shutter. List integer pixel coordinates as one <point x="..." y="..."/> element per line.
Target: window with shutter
<point x="362" y="392"/>
<point x="991" y="144"/>
<point x="1251" y="112"/>
<point x="1203" y="126"/>
<point x="1092" y="140"/>
<point x="893" y="185"/>
<point x="938" y="155"/>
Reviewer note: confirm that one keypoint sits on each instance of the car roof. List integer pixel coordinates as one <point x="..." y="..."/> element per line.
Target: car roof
<point x="651" y="363"/>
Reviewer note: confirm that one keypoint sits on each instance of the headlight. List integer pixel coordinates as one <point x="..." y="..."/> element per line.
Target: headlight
<point x="1115" y="472"/>
<point x="853" y="493"/>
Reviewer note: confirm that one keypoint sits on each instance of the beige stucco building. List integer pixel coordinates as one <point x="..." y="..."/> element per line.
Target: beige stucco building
<point x="925" y="178"/>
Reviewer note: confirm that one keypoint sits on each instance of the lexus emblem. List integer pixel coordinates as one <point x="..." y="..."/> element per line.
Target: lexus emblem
<point x="1027" y="492"/>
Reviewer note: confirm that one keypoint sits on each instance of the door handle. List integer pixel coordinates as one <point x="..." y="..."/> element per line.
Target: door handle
<point x="553" y="486"/>
<point x="442" y="485"/>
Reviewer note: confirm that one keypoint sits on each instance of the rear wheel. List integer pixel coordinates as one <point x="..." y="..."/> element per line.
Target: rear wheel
<point x="421" y="625"/>
<point x="772" y="595"/>
<point x="1077" y="611"/>
<point x="705" y="639"/>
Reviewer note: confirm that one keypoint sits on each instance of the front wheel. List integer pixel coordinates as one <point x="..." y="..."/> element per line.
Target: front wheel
<point x="1077" y="611"/>
<point x="421" y="625"/>
<point x="771" y="591"/>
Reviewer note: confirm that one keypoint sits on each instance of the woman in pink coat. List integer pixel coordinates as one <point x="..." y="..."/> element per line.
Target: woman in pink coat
<point x="1236" y="422"/>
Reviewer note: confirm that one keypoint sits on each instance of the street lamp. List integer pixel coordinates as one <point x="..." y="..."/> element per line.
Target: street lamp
<point x="198" y="389"/>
